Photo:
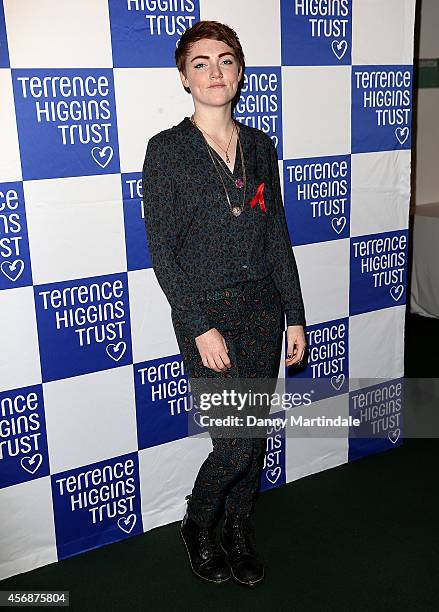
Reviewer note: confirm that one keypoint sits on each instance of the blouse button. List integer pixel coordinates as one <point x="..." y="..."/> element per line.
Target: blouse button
<point x="245" y="266"/>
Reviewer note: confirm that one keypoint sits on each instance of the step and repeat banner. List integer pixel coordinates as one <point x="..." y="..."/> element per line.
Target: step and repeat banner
<point x="94" y="400"/>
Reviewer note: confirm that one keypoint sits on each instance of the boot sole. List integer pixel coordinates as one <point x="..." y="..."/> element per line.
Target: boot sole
<point x="220" y="581"/>
<point x="248" y="584"/>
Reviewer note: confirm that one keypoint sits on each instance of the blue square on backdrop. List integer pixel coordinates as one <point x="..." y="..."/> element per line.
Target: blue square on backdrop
<point x="24" y="454"/>
<point x="381" y="108"/>
<point x="145" y="34"/>
<point x="83" y="325"/>
<point x="273" y="469"/>
<point x="138" y="256"/>
<point x="326" y="361"/>
<point x="378" y="271"/>
<point x="314" y="35"/>
<point x="260" y="103"/>
<point x="163" y="401"/>
<point x="15" y="264"/>
<point x="96" y="504"/>
<point x="66" y="121"/>
<point x="317" y="198"/>
<point x="379" y="409"/>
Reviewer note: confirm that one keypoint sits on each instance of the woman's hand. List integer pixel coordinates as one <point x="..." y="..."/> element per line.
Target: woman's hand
<point x="296" y="344"/>
<point x="213" y="350"/>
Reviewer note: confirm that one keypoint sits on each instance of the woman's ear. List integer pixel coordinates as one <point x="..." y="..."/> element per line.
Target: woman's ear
<point x="184" y="80"/>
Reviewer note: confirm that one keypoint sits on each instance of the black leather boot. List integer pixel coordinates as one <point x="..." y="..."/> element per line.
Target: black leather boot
<point x="206" y="558"/>
<point x="237" y="538"/>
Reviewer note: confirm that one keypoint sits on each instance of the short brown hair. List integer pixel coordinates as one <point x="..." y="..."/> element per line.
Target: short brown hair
<point x="208" y="29"/>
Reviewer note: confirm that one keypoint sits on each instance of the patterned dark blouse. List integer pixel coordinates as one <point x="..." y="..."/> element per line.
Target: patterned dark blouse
<point x="195" y="242"/>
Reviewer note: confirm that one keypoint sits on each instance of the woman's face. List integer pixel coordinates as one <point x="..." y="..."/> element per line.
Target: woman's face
<point x="212" y="73"/>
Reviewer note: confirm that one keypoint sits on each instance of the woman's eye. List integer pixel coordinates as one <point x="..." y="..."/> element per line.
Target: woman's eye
<point x="228" y="61"/>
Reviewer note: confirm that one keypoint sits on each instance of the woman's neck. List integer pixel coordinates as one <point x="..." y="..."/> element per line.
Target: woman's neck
<point x="217" y="122"/>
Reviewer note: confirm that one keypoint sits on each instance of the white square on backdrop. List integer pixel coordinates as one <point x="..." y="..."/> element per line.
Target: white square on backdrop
<point x="26" y="517"/>
<point x="167" y="475"/>
<point x="376" y="344"/>
<point x="316" y="111"/>
<point x="20" y="354"/>
<point x="160" y="102"/>
<point x="380" y="192"/>
<point x="90" y="418"/>
<point x="308" y="455"/>
<point x="76" y="227"/>
<point x="373" y="41"/>
<point x="152" y="332"/>
<point x="324" y="279"/>
<point x="58" y="34"/>
<point x="257" y="25"/>
<point x="10" y="164"/>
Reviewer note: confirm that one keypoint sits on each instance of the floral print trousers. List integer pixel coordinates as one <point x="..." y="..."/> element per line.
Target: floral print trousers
<point x="250" y="318"/>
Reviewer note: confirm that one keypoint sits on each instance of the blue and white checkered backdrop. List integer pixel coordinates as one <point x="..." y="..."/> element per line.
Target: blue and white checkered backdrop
<point x="94" y="445"/>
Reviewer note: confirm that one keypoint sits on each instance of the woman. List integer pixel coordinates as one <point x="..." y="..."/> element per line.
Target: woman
<point x="221" y="252"/>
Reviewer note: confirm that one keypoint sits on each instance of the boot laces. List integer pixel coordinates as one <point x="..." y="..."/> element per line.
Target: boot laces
<point x="238" y="529"/>
<point x="207" y="544"/>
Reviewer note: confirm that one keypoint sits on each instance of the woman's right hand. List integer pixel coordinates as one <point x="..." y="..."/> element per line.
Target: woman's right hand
<point x="213" y="350"/>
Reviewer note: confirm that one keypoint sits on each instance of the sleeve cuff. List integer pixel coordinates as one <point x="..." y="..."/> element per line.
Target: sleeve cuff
<point x="295" y="318"/>
<point x="193" y="325"/>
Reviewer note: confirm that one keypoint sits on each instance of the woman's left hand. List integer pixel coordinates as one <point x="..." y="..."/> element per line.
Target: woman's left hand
<point x="296" y="344"/>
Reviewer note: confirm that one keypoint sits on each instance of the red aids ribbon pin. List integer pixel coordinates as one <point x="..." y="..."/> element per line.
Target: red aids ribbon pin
<point x="259" y="198"/>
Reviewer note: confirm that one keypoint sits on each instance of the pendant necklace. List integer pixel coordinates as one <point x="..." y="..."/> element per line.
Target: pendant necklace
<point x="239" y="183"/>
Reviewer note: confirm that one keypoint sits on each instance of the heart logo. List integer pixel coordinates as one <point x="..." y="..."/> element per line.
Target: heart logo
<point x="339" y="47"/>
<point x="274" y="474"/>
<point x="402" y="134"/>
<point x="338" y="224"/>
<point x="196" y="416"/>
<point x="337" y="381"/>
<point x="116" y="351"/>
<point x="126" y="523"/>
<point x="394" y="435"/>
<point x="396" y="292"/>
<point x="12" y="269"/>
<point x="102" y="155"/>
<point x="31" y="464"/>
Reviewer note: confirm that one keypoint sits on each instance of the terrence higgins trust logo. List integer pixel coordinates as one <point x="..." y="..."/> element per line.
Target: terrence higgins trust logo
<point x="83" y="326"/>
<point x="260" y="104"/>
<point x="318" y="198"/>
<point x="66" y="122"/>
<point x="144" y="33"/>
<point x="100" y="501"/>
<point x="316" y="33"/>
<point x="15" y="268"/>
<point x="381" y="108"/>
<point x="379" y="409"/>
<point x="328" y="360"/>
<point x="23" y="439"/>
<point x="378" y="271"/>
<point x="164" y="401"/>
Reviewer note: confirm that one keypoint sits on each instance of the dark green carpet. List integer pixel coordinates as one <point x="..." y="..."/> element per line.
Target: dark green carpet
<point x="362" y="536"/>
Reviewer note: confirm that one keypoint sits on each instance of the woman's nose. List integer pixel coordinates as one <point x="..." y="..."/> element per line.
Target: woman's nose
<point x="216" y="72"/>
